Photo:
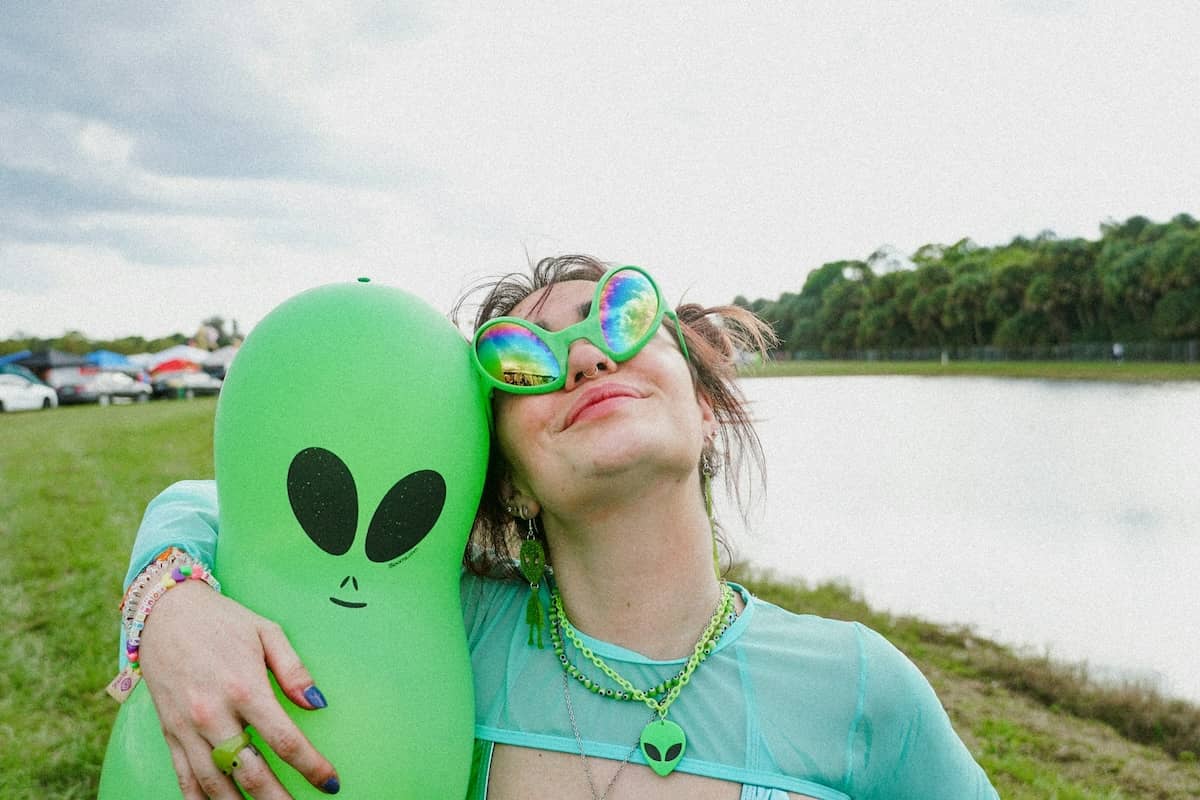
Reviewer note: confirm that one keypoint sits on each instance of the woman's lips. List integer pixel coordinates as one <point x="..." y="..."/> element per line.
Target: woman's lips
<point x="598" y="401"/>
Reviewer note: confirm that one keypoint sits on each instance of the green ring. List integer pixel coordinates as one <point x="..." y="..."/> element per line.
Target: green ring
<point x="224" y="755"/>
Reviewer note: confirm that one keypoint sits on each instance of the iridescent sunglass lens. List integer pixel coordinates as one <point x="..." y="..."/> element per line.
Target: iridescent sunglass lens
<point x="515" y="355"/>
<point x="628" y="310"/>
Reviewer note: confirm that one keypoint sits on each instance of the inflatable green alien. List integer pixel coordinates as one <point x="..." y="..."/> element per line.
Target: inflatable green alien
<point x="351" y="445"/>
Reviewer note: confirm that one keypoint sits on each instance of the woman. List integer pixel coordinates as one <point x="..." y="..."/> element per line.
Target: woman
<point x="659" y="680"/>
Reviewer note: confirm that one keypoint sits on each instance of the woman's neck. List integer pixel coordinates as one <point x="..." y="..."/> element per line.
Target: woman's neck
<point x="638" y="572"/>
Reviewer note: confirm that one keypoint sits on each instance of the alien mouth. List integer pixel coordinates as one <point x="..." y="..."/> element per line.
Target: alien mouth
<point x="347" y="603"/>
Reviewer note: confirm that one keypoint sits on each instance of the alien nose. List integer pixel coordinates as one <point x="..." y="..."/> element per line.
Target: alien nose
<point x="349" y="579"/>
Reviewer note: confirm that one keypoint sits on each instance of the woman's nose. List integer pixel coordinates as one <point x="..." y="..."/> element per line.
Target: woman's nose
<point x="584" y="361"/>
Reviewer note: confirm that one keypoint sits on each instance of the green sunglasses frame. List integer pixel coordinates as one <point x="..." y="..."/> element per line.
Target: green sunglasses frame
<point x="559" y="342"/>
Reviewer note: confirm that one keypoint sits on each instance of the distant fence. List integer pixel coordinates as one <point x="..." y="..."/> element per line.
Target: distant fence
<point x="1183" y="351"/>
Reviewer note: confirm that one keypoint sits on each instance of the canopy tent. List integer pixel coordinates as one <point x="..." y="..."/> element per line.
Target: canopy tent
<point x="110" y="360"/>
<point x="218" y="361"/>
<point x="14" y="357"/>
<point x="221" y="357"/>
<point x="49" y="359"/>
<point x="179" y="351"/>
<point x="176" y="365"/>
<point x="143" y="360"/>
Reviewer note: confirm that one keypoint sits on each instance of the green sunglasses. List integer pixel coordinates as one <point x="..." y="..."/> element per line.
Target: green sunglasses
<point x="517" y="356"/>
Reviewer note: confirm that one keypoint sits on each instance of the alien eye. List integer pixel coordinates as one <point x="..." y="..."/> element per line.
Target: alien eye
<point x="653" y="753"/>
<point x="405" y="515"/>
<point x="672" y="752"/>
<point x="324" y="499"/>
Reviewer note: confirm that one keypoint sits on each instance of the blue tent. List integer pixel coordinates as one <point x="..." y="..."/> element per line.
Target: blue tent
<point x="11" y="357"/>
<point x="110" y="360"/>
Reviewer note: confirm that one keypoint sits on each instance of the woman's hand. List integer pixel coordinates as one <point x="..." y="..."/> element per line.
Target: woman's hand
<point x="205" y="658"/>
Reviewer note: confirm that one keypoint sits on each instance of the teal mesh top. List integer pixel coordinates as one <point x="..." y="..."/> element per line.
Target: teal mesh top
<point x="786" y="703"/>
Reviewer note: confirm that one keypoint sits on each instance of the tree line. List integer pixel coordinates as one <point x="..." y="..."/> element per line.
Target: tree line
<point x="1139" y="281"/>
<point x="212" y="332"/>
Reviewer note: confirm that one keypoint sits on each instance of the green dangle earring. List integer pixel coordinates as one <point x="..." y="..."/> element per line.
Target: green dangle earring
<point x="706" y="474"/>
<point x="533" y="567"/>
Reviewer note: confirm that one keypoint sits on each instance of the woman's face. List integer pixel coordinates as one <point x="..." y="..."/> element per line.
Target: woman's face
<point x="641" y="418"/>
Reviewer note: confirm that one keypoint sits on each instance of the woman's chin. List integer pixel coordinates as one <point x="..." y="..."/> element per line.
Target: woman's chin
<point x="644" y="457"/>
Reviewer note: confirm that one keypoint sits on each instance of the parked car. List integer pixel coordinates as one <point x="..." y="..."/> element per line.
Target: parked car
<point x="114" y="387"/>
<point x="89" y="385"/>
<point x="184" y="384"/>
<point x="10" y="368"/>
<point x="18" y="392"/>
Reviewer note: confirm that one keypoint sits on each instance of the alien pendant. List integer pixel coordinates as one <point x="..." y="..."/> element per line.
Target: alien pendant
<point x="663" y="744"/>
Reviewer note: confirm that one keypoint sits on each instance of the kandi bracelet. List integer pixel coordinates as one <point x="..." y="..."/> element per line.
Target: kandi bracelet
<point x="157" y="579"/>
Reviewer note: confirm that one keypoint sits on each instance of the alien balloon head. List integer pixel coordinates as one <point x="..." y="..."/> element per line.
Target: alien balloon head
<point x="351" y="445"/>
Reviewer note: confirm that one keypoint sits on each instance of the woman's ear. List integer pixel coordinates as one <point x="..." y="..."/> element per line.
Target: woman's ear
<point x="522" y="507"/>
<point x="708" y="417"/>
<point x="517" y="502"/>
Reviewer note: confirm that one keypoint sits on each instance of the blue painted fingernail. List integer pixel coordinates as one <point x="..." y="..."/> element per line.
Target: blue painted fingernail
<point x="315" y="699"/>
<point x="331" y="786"/>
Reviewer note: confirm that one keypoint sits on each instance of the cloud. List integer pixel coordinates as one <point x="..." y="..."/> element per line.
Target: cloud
<point x="730" y="149"/>
<point x="180" y="83"/>
<point x="164" y="135"/>
<point x="20" y="276"/>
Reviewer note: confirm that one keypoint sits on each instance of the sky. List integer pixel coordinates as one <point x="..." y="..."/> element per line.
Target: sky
<point x="161" y="164"/>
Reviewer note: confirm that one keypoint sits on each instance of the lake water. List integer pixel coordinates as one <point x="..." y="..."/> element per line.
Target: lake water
<point x="1062" y="516"/>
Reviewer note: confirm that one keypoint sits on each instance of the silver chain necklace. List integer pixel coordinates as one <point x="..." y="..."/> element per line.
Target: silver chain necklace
<point x="587" y="767"/>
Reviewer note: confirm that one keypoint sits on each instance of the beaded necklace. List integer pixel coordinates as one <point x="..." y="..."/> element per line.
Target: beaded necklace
<point x="662" y="741"/>
<point x="587" y="767"/>
<point x="724" y="613"/>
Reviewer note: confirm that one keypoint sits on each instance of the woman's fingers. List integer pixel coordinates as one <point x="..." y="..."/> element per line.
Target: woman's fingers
<point x="205" y="660"/>
<point x="277" y="730"/>
<point x="289" y="671"/>
<point x="248" y="771"/>
<point x="275" y="727"/>
<point x="209" y="781"/>
<point x="255" y="777"/>
<point x="188" y="785"/>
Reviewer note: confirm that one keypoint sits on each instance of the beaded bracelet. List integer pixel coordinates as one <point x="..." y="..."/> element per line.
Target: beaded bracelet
<point x="170" y="569"/>
<point x="144" y="577"/>
<point x="153" y="580"/>
<point x="162" y="562"/>
<point x="139" y="585"/>
<point x="169" y="580"/>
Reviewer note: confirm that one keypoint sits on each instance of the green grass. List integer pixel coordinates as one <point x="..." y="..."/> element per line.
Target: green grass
<point x="1137" y="371"/>
<point x="74" y="481"/>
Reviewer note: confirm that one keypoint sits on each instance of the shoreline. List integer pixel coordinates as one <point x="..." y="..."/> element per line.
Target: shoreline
<point x="1040" y="727"/>
<point x="1111" y="371"/>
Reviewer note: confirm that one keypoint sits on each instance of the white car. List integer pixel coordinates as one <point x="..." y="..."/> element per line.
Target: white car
<point x="89" y="385"/>
<point x="19" y="393"/>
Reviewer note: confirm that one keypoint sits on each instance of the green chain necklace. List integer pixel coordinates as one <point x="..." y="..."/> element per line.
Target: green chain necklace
<point x="724" y="614"/>
<point x="662" y="741"/>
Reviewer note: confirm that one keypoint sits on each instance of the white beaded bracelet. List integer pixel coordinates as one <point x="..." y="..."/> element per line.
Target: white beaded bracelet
<point x="170" y="569"/>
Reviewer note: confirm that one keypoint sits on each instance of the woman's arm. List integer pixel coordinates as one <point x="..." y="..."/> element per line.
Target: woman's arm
<point x="909" y="746"/>
<point x="205" y="659"/>
<point x="183" y="516"/>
